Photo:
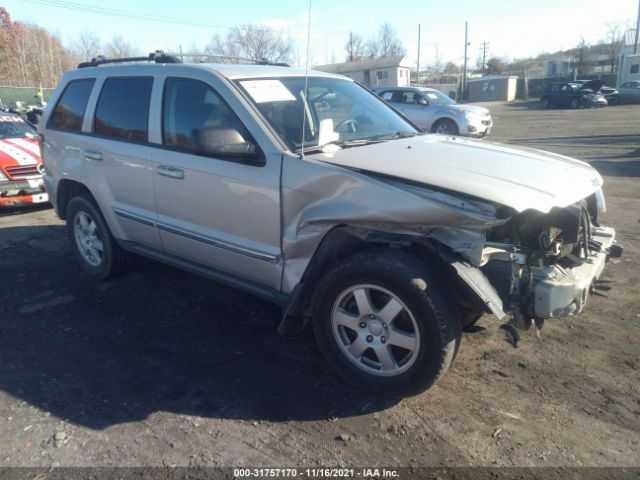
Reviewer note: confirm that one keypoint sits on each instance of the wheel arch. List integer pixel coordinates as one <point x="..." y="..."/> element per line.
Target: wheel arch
<point x="67" y="189"/>
<point x="343" y="241"/>
<point x="444" y="118"/>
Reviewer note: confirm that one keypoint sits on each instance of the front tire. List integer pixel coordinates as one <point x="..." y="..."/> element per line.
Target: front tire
<point x="446" y="127"/>
<point x="92" y="243"/>
<point x="383" y="323"/>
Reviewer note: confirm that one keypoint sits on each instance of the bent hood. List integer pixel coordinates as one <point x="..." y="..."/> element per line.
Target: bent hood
<point x="517" y="177"/>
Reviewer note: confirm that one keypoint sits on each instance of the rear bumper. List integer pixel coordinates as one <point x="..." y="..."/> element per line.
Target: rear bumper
<point x="560" y="292"/>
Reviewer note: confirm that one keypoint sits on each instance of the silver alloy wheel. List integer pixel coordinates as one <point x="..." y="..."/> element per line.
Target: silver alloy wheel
<point x="88" y="241"/>
<point x="375" y="330"/>
<point x="443" y="127"/>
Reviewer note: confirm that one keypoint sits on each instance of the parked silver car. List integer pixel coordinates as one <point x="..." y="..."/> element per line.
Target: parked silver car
<point x="432" y="111"/>
<point x="630" y="92"/>
<point x="313" y="193"/>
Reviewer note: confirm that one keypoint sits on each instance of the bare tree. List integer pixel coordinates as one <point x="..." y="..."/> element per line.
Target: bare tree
<point x="118" y="47"/>
<point x="385" y="44"/>
<point x="86" y="46"/>
<point x="32" y="57"/>
<point x="613" y="44"/>
<point x="451" y="69"/>
<point x="495" y="66"/>
<point x="372" y="48"/>
<point x="389" y="43"/>
<point x="584" y="59"/>
<point x="256" y="42"/>
<point x="355" y="47"/>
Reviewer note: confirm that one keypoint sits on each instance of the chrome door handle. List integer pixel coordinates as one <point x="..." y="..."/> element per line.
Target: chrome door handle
<point x="92" y="154"/>
<point x="171" y="172"/>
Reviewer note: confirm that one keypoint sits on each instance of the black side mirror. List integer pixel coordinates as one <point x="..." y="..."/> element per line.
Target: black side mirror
<point x="226" y="142"/>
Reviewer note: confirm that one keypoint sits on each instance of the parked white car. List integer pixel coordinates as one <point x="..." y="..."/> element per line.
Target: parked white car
<point x="432" y="111"/>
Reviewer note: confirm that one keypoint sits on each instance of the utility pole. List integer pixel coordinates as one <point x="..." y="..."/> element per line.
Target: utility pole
<point x="635" y="44"/>
<point x="464" y="68"/>
<point x="485" y="47"/>
<point x="418" y="71"/>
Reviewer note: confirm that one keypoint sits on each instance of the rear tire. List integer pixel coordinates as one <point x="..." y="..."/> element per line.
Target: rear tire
<point x="92" y="243"/>
<point x="383" y="323"/>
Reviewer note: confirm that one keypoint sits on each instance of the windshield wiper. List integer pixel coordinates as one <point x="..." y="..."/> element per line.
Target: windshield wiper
<point x="361" y="142"/>
<point x="343" y="144"/>
<point x="393" y="136"/>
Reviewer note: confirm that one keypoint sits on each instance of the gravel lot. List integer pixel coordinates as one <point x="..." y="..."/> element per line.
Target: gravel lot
<point x="163" y="368"/>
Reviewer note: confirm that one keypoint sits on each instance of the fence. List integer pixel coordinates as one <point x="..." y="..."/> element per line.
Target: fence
<point x="26" y="95"/>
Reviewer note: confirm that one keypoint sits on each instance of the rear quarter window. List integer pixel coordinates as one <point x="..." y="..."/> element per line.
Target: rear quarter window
<point x="122" y="111"/>
<point x="69" y="112"/>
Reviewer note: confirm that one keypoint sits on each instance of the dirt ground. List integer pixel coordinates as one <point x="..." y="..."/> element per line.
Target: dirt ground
<point x="160" y="367"/>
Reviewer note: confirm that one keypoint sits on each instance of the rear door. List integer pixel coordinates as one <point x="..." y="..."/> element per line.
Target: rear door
<point x="118" y="156"/>
<point x="217" y="211"/>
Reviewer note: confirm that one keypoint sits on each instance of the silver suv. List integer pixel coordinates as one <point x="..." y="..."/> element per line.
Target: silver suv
<point x="432" y="111"/>
<point x="313" y="193"/>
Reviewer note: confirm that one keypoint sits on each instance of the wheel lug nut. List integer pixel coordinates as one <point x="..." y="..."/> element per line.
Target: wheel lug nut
<point x="385" y="325"/>
<point x="369" y="339"/>
<point x="372" y="317"/>
<point x="363" y="325"/>
<point x="383" y="339"/>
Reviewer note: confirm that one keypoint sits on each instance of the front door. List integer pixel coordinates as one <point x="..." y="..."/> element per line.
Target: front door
<point x="415" y="107"/>
<point x="217" y="211"/>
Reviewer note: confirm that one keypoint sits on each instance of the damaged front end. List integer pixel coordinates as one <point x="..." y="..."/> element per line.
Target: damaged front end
<point x="525" y="263"/>
<point x="545" y="265"/>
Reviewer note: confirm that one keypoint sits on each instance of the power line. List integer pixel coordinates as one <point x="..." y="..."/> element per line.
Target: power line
<point x="82" y="7"/>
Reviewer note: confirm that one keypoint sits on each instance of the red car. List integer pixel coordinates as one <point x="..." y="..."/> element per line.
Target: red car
<point x="21" y="166"/>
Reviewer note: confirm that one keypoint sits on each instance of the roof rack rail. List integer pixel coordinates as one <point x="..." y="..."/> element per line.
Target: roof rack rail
<point x="158" y="57"/>
<point x="227" y="59"/>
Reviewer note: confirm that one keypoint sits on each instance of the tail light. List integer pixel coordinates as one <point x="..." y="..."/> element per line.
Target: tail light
<point x="41" y="145"/>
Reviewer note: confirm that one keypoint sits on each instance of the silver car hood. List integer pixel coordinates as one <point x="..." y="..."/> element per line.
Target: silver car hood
<point x="468" y="108"/>
<point x="517" y="177"/>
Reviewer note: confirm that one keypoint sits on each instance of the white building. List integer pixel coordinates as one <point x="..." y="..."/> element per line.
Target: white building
<point x="379" y="72"/>
<point x="629" y="66"/>
<point x="556" y="67"/>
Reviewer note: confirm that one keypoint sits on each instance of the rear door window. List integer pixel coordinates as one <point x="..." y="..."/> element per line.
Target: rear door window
<point x="123" y="108"/>
<point x="69" y="112"/>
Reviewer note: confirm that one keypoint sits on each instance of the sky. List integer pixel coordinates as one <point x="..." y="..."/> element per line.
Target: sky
<point x="513" y="28"/>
